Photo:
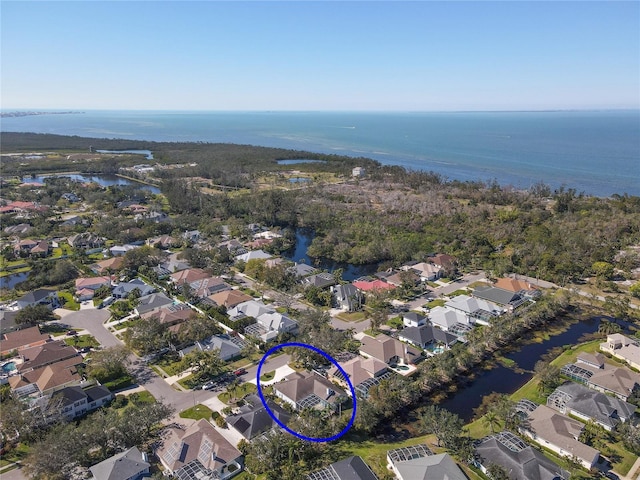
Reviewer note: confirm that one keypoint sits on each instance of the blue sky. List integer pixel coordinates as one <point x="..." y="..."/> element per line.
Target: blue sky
<point x="417" y="56"/>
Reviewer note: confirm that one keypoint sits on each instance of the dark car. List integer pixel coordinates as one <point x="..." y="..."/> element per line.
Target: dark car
<point x="72" y="332"/>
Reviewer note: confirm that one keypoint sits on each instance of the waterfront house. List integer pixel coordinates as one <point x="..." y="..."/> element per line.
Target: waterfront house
<point x="41" y="296"/>
<point x="428" y="272"/>
<point x="588" y="405"/>
<point x="559" y="434"/>
<point x="419" y="463"/>
<point x="624" y="348"/>
<point x="504" y="298"/>
<point x="520" y="461"/>
<point x="352" y="468"/>
<point x="363" y="374"/>
<point x="476" y="310"/>
<point x="389" y="350"/>
<point x="319" y="280"/>
<point x="428" y="337"/>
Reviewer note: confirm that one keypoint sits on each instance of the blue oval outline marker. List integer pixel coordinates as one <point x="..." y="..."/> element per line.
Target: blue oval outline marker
<point x="332" y="360"/>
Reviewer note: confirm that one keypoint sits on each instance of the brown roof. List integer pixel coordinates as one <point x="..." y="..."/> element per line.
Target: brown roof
<point x="442" y="259"/>
<point x="360" y="369"/>
<point x="171" y="314"/>
<point x="92" y="281"/>
<point x="299" y="386"/>
<point x="384" y="348"/>
<point x="41" y="247"/>
<point x="50" y="376"/>
<point x="189" y="275"/>
<point x="198" y="442"/>
<point x="619" y="380"/>
<point x="230" y="298"/>
<point x="47" y="354"/>
<point x="114" y="263"/>
<point x="513" y="285"/>
<point x="20" y="339"/>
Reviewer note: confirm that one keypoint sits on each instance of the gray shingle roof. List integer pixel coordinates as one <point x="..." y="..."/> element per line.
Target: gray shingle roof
<point x="122" y="466"/>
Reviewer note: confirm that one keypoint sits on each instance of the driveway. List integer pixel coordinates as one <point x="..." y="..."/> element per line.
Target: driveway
<point x="92" y="320"/>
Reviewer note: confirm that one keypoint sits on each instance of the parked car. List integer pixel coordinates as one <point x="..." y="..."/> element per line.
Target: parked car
<point x="72" y="332"/>
<point x="209" y="385"/>
<point x="240" y="371"/>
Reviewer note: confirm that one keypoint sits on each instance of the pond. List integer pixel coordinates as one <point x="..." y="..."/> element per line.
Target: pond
<point x="10" y="281"/>
<point x="299" y="254"/>
<point x="299" y="160"/>
<point x="501" y="379"/>
<point x="147" y="153"/>
<point x="103" y="180"/>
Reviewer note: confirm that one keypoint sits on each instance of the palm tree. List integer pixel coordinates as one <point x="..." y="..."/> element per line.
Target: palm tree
<point x="492" y="420"/>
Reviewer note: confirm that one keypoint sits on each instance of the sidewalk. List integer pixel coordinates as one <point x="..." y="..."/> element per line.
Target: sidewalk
<point x="634" y="471"/>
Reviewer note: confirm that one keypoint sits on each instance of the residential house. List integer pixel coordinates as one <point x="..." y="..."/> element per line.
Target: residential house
<point x="19" y="229"/>
<point x="352" y="468"/>
<point x="302" y="270"/>
<point x="519" y="460"/>
<point x="22" y="339"/>
<point x="358" y="172"/>
<point x="227" y="347"/>
<point x="48" y="378"/>
<point x="559" y="434"/>
<point x="86" y="287"/>
<point x="319" y="280"/>
<point x="250" y="308"/>
<point x="476" y="310"/>
<point x="208" y="286"/>
<point x="109" y="265"/>
<point x="373" y="285"/>
<point x="76" y="401"/>
<point x="23" y="247"/>
<point x="413" y="319"/>
<point x="41" y="249"/>
<point x="121" y="250"/>
<point x="70" y="197"/>
<point x="253" y="419"/>
<point x="523" y="287"/>
<point x="229" y="298"/>
<point x="363" y="374"/>
<point x="428" y="337"/>
<point x="191" y="236"/>
<point x="46" y="354"/>
<point x="163" y="241"/>
<point x="151" y="303"/>
<point x="389" y="350"/>
<point x="449" y="320"/>
<point x="8" y="321"/>
<point x="155" y="217"/>
<point x="428" y="272"/>
<point x="85" y="240"/>
<point x="128" y="465"/>
<point x="419" y="463"/>
<point x="124" y="289"/>
<point x="234" y="247"/>
<point x="444" y="261"/>
<point x="509" y="300"/>
<point x="624" y="348"/>
<point x="399" y="279"/>
<point x="347" y="297"/>
<point x="271" y="324"/>
<point x="309" y="390"/>
<point x="73" y="220"/>
<point x="188" y="276"/>
<point x="605" y="378"/>
<point x="171" y="315"/>
<point x="581" y="402"/>
<point x="41" y="296"/>
<point x="253" y="255"/>
<point x="199" y="452"/>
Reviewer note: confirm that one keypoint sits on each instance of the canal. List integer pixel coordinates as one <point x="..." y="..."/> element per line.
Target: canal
<point x="501" y="379"/>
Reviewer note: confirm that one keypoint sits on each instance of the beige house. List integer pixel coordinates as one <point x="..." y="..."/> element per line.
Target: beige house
<point x="559" y="434"/>
<point x="624" y="348"/>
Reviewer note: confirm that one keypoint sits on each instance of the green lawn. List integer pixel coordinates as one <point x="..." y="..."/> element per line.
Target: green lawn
<point x="197" y="412"/>
<point x="240" y="392"/>
<point x="352" y="316"/>
<point x="81" y="341"/>
<point x="438" y="302"/>
<point x="68" y="301"/>
<point x="169" y="366"/>
<point x="268" y="376"/>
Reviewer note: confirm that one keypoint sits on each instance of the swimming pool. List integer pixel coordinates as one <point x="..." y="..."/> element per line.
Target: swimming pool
<point x="9" y="367"/>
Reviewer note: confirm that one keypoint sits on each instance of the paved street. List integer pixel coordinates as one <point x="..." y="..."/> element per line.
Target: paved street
<point x="92" y="320"/>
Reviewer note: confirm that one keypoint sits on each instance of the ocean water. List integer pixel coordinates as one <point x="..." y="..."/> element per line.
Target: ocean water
<point x="597" y="152"/>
